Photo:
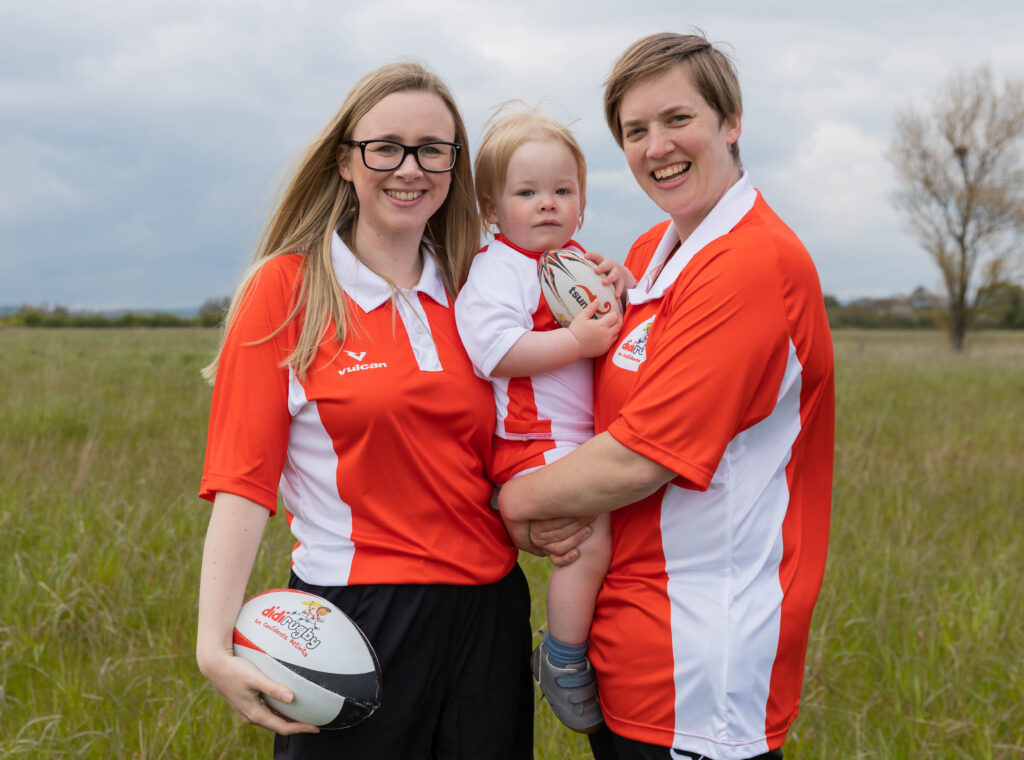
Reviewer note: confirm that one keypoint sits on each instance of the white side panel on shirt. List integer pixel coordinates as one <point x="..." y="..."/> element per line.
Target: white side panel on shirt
<point x="723" y="548"/>
<point x="320" y="518"/>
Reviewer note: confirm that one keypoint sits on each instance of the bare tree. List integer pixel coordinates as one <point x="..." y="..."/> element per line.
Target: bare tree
<point x="961" y="183"/>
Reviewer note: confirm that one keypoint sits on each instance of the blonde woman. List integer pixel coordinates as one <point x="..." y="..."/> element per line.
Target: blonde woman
<point x="342" y="382"/>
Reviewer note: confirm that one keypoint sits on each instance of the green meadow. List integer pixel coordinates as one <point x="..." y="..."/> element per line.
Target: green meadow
<point x="916" y="647"/>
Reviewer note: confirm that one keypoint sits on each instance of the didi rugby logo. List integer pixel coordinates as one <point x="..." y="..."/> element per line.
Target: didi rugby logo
<point x="632" y="352"/>
<point x="299" y="626"/>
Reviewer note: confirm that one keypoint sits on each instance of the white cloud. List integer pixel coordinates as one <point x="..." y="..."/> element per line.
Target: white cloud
<point x="839" y="178"/>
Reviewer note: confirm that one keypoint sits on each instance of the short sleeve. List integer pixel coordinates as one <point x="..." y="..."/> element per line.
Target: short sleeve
<point x="247" y="439"/>
<point x="495" y="307"/>
<point x="716" y="356"/>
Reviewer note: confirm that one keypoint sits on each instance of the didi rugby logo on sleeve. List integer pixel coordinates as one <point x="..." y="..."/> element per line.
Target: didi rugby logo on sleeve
<point x="632" y="351"/>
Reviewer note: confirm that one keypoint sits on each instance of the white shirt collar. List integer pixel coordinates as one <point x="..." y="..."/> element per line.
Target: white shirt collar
<point x="726" y="214"/>
<point x="368" y="289"/>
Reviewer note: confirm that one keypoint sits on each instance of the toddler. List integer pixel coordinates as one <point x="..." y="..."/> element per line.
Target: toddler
<point x="531" y="185"/>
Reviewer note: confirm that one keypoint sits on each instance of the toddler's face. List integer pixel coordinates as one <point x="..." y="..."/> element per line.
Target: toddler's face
<point x="539" y="206"/>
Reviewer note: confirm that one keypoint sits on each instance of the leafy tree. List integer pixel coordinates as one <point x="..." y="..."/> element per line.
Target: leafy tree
<point x="961" y="184"/>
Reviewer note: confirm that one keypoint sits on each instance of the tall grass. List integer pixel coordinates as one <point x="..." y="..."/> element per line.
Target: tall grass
<point x="917" y="639"/>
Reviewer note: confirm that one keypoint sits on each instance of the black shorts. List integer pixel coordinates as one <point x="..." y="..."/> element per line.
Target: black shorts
<point x="607" y="745"/>
<point x="455" y="665"/>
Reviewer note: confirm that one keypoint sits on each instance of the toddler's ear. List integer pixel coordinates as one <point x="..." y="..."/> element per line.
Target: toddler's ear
<point x="490" y="211"/>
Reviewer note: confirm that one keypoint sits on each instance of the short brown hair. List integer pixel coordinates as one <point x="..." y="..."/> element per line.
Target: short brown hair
<point x="512" y="124"/>
<point x="711" y="71"/>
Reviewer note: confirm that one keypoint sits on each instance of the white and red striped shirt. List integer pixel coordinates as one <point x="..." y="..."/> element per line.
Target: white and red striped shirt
<point x="500" y="302"/>
<point x="723" y="373"/>
<point x="381" y="453"/>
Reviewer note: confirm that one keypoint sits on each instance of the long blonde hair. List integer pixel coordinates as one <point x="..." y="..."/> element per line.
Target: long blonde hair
<point x="317" y="199"/>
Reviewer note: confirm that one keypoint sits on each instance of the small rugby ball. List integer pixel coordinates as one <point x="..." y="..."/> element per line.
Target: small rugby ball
<point x="569" y="284"/>
<point x="304" y="642"/>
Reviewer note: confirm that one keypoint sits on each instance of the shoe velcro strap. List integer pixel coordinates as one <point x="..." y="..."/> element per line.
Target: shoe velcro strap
<point x="574" y="680"/>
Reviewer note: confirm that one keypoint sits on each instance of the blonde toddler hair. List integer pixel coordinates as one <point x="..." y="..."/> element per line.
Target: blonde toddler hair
<point x="512" y="124"/>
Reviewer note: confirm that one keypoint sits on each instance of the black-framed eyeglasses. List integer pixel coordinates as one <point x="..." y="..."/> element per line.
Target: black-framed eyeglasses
<point x="388" y="155"/>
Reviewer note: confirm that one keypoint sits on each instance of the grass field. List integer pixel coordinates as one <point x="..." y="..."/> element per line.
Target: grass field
<point x="916" y="648"/>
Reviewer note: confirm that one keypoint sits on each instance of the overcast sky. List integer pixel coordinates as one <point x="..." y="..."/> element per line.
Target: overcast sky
<point x="142" y="142"/>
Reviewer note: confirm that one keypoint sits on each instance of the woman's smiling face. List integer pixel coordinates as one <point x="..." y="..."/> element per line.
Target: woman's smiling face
<point x="398" y="203"/>
<point x="677" y="148"/>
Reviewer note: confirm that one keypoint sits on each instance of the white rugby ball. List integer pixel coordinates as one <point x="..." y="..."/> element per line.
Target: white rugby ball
<point x="569" y="284"/>
<point x="304" y="642"/>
